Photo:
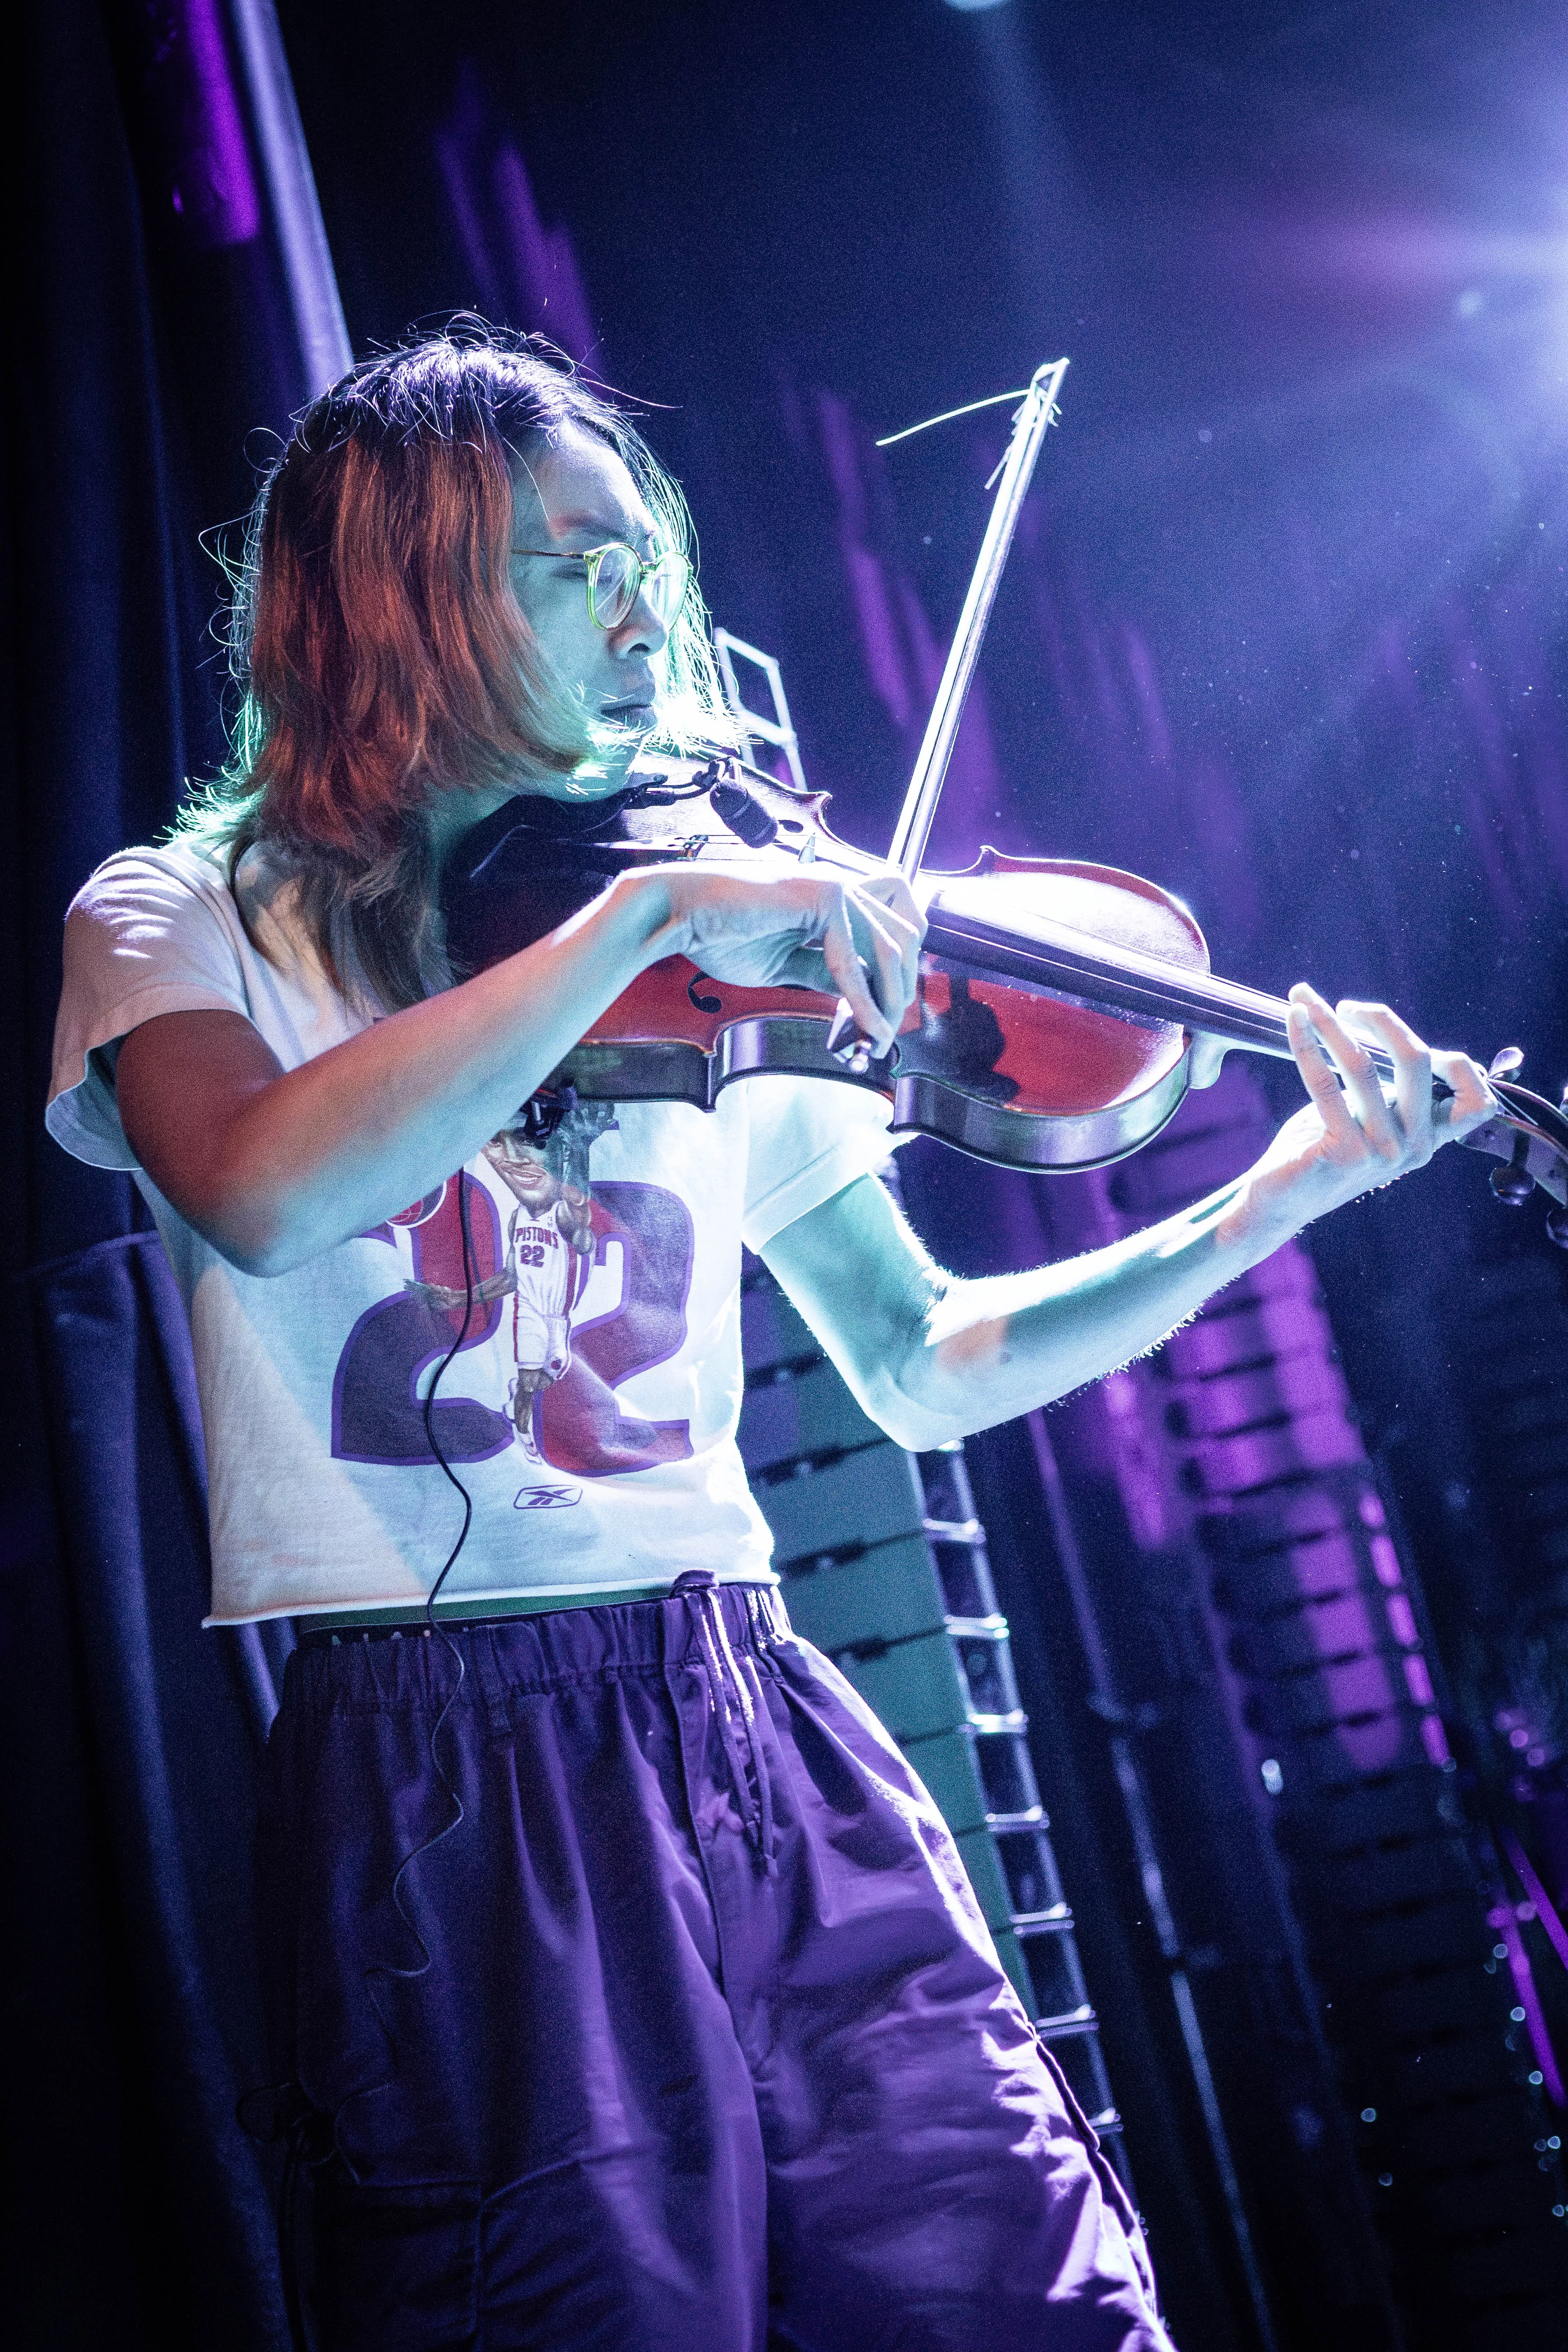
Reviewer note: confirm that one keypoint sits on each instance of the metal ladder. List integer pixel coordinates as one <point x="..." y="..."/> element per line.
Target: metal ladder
<point x="884" y="1568"/>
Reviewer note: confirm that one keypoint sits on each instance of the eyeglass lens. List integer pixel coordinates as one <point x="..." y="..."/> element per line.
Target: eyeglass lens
<point x="620" y="578"/>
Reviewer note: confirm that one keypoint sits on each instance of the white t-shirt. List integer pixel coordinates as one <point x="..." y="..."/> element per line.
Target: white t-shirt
<point x="591" y="1413"/>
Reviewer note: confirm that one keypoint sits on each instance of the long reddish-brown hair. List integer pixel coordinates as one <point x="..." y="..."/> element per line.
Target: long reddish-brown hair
<point x="382" y="654"/>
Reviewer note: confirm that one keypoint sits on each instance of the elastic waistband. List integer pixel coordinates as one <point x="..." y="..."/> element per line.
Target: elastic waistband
<point x="376" y="1666"/>
<point x="333" y="1625"/>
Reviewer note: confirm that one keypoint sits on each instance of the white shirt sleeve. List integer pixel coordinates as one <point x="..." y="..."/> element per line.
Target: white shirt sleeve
<point x="155" y="930"/>
<point x="808" y="1138"/>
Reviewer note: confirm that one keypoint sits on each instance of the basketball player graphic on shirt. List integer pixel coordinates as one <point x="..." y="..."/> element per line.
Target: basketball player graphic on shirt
<point x="549" y="1259"/>
<point x="550" y="1255"/>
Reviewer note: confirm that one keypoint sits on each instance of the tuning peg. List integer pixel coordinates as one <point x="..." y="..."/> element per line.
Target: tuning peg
<point x="1504" y="1063"/>
<point x="1557" y="1226"/>
<point x="1513" y="1183"/>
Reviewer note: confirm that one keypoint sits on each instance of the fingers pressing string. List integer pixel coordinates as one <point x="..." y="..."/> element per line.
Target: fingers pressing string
<point x="1412" y="1069"/>
<point x="1365" y="1099"/>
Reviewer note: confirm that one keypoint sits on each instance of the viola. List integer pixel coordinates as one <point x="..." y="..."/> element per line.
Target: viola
<point x="1057" y="1003"/>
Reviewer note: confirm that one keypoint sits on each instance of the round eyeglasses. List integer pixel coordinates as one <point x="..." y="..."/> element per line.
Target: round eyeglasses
<point x="618" y="576"/>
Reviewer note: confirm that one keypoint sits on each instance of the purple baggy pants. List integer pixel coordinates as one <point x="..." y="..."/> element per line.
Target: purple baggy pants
<point x="696" y="2041"/>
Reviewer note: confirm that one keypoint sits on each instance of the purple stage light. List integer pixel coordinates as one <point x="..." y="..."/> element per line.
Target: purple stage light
<point x="523" y="273"/>
<point x="1528" y="2011"/>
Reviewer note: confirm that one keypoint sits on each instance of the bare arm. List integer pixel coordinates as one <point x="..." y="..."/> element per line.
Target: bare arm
<point x="933" y="1357"/>
<point x="275" y="1166"/>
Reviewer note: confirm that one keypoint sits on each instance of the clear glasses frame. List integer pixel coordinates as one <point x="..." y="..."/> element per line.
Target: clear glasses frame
<point x="613" y="597"/>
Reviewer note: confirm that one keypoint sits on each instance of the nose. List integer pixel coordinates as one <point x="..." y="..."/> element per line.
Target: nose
<point x="642" y="631"/>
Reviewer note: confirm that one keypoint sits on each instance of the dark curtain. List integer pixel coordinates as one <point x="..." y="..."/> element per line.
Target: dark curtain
<point x="136" y="2212"/>
<point x="95" y="741"/>
<point x="142" y="2213"/>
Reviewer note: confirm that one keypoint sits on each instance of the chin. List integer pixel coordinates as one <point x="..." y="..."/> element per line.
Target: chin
<point x="616" y="748"/>
<point x="595" y="780"/>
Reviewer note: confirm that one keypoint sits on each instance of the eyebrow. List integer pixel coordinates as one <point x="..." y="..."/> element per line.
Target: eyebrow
<point x="595" y="525"/>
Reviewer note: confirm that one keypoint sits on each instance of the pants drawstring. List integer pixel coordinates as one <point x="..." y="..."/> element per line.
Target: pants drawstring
<point x="729" y="1694"/>
<point x="748" y="1674"/>
<point x="751" y="1715"/>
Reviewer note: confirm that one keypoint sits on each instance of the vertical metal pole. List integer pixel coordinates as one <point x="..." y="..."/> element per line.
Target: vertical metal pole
<point x="313" y="300"/>
<point x="1135" y="1802"/>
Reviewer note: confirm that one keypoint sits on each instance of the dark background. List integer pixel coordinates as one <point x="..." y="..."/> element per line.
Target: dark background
<point x="1283" y="628"/>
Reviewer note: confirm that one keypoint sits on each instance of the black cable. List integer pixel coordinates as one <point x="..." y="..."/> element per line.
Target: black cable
<point x="288" y="2246"/>
<point x="297" y="2160"/>
<point x="431" y="1626"/>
